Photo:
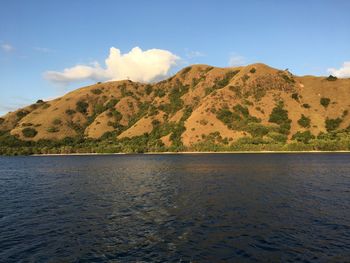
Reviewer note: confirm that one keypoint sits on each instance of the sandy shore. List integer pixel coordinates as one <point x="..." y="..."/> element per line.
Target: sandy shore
<point x="177" y="153"/>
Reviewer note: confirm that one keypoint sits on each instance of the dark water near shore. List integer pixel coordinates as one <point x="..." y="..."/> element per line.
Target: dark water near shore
<point x="202" y="208"/>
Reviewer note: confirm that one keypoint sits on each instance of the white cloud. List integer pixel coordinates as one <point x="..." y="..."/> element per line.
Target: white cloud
<point x="43" y="49"/>
<point x="342" y="72"/>
<point x="7" y="47"/>
<point x="193" y="53"/>
<point x="137" y="65"/>
<point x="76" y="73"/>
<point x="236" y="60"/>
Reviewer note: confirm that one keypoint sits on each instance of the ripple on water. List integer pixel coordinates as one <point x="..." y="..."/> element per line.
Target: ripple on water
<point x="206" y="208"/>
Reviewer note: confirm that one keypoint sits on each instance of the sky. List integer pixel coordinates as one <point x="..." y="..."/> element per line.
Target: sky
<point x="48" y="48"/>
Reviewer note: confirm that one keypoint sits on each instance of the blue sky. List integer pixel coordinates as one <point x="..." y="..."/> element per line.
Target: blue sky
<point x="308" y="37"/>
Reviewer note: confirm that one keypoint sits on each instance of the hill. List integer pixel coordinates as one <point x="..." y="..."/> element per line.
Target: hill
<point x="201" y="108"/>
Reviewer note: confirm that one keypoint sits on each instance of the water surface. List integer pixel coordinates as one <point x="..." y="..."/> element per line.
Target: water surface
<point x="200" y="207"/>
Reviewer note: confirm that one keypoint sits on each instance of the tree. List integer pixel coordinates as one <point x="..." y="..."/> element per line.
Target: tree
<point x="252" y="70"/>
<point x="96" y="91"/>
<point x="280" y="116"/>
<point x="20" y="114"/>
<point x="333" y="124"/>
<point x="325" y="102"/>
<point x="295" y="96"/>
<point x="70" y="112"/>
<point x="82" y="106"/>
<point x="331" y="78"/>
<point x="29" y="132"/>
<point x="303" y="137"/>
<point x="304" y="121"/>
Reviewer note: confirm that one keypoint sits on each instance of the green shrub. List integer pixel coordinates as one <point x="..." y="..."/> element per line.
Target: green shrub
<point x="195" y="81"/>
<point x="281" y="138"/>
<point x="252" y="70"/>
<point x="259" y="92"/>
<point x="98" y="109"/>
<point x="185" y="71"/>
<point x="220" y="83"/>
<point x="148" y="89"/>
<point x="209" y="90"/>
<point x="186" y="113"/>
<point x="203" y="122"/>
<point x="303" y="137"/>
<point x="241" y="109"/>
<point x="155" y="123"/>
<point x="39" y="101"/>
<point x="53" y="129"/>
<point x="239" y="119"/>
<point x="306" y="106"/>
<point x="96" y="91"/>
<point x="175" y="136"/>
<point x="153" y="110"/>
<point x="82" y="106"/>
<point x="46" y="105"/>
<point x="20" y="114"/>
<point x="295" y="96"/>
<point x="287" y="78"/>
<point x="331" y="78"/>
<point x="56" y="122"/>
<point x="117" y="115"/>
<point x="159" y="93"/>
<point x="2" y="120"/>
<point x="298" y="146"/>
<point x="325" y="102"/>
<point x="245" y="77"/>
<point x="124" y="91"/>
<point x="257" y="130"/>
<point x="176" y="103"/>
<point x="111" y="104"/>
<point x="29" y="132"/>
<point x="225" y="115"/>
<point x="237" y="90"/>
<point x="304" y="121"/>
<point x="280" y="116"/>
<point x="27" y="124"/>
<point x="34" y="106"/>
<point x="333" y="124"/>
<point x="70" y="112"/>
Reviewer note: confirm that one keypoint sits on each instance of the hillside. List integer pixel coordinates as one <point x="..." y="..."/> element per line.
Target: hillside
<point x="201" y="108"/>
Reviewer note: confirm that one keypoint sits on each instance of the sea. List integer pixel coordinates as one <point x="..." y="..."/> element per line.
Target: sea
<point x="271" y="207"/>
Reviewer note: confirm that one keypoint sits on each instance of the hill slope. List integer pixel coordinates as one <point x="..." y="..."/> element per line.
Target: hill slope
<point x="255" y="107"/>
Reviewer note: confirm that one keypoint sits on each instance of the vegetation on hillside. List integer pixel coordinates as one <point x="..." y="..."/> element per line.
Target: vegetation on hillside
<point x="240" y="101"/>
<point x="325" y="102"/>
<point x="280" y="116"/>
<point x="304" y="121"/>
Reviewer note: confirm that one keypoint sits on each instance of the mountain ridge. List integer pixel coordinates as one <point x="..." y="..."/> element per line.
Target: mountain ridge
<point x="200" y="107"/>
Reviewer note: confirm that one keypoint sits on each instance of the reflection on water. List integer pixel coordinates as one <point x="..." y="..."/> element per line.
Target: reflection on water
<point x="218" y="207"/>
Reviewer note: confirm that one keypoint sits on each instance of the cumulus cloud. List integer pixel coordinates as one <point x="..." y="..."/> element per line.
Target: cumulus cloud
<point x="236" y="60"/>
<point x="77" y="73"/>
<point x="342" y="72"/>
<point x="7" y="47"/>
<point x="137" y="65"/>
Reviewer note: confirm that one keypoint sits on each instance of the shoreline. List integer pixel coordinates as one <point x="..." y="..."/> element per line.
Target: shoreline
<point x="189" y="153"/>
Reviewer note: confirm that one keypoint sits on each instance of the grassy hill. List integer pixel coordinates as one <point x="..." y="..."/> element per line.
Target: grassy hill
<point x="201" y="108"/>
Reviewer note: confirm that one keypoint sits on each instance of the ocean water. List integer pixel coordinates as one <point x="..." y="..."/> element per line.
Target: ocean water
<point x="175" y="208"/>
